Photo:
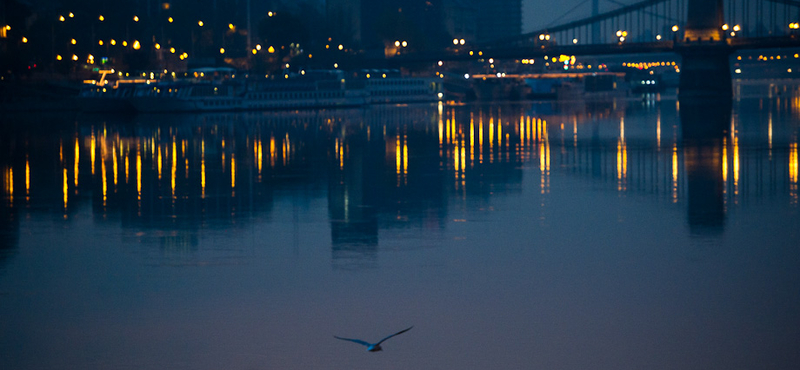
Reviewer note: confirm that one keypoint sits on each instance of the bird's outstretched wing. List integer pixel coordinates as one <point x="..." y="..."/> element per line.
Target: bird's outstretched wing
<point x="398" y="333"/>
<point x="359" y="341"/>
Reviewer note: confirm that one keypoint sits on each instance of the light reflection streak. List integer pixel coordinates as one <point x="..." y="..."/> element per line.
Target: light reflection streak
<point x="622" y="158"/>
<point x="397" y="160"/>
<point x="736" y="169"/>
<point x="27" y="178"/>
<point x="456" y="162"/>
<point x="575" y="132"/>
<point x="658" y="130"/>
<point x="65" y="188"/>
<point x="499" y="132"/>
<point x="453" y="125"/>
<point x="10" y="184"/>
<point x="491" y="139"/>
<point x="77" y="162"/>
<point x="793" y="173"/>
<point x="340" y="153"/>
<point x="260" y="158"/>
<point x="287" y="148"/>
<point x="233" y="171"/>
<point x="127" y="165"/>
<point x="272" y="152"/>
<point x="463" y="159"/>
<point x="114" y="164"/>
<point x="104" y="176"/>
<point x="544" y="156"/>
<point x="725" y="170"/>
<point x="92" y="151"/>
<point x="139" y="173"/>
<point x="471" y="140"/>
<point x="480" y="138"/>
<point x="675" y="173"/>
<point x="158" y="161"/>
<point x="174" y="166"/>
<point x="441" y="127"/>
<point x="203" y="169"/>
<point x="405" y="158"/>
<point x="770" y="135"/>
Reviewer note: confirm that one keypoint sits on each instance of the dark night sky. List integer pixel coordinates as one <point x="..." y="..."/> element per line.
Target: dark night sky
<point x="536" y="14"/>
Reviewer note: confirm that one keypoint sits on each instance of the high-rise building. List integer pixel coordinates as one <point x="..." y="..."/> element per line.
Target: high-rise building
<point x="498" y="19"/>
<point x="460" y="19"/>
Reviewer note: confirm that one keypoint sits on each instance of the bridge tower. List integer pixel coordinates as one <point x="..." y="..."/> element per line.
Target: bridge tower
<point x="705" y="71"/>
<point x="704" y="20"/>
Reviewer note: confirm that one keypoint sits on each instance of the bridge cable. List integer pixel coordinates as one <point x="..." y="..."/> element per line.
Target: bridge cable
<point x="565" y="14"/>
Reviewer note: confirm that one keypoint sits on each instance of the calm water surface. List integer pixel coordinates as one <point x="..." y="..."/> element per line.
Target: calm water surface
<point x="612" y="235"/>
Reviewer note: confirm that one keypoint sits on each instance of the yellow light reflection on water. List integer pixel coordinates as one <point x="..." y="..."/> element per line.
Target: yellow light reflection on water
<point x="793" y="170"/>
<point x="114" y="164"/>
<point x="272" y="152"/>
<point x="398" y="161"/>
<point x="223" y="156"/>
<point x="341" y="156"/>
<point x="658" y="130"/>
<point x="77" y="162"/>
<point x="675" y="173"/>
<point x="27" y="178"/>
<point x="287" y="148"/>
<point x="724" y="168"/>
<point x="104" y="178"/>
<point x="441" y="129"/>
<point x="457" y="161"/>
<point x="233" y="171"/>
<point x="405" y="157"/>
<point x="92" y="151"/>
<point x="499" y="131"/>
<point x="203" y="169"/>
<point x="770" y="134"/>
<point x="260" y="157"/>
<point x="127" y="165"/>
<point x="138" y="172"/>
<point x="65" y="187"/>
<point x="491" y="139"/>
<point x="622" y="158"/>
<point x="793" y="173"/>
<point x="471" y="140"/>
<point x="480" y="138"/>
<point x="463" y="159"/>
<point x="10" y="184"/>
<point x="158" y="162"/>
<point x="174" y="166"/>
<point x="735" y="168"/>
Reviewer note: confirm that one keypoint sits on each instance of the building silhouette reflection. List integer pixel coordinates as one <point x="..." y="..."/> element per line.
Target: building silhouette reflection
<point x="704" y="125"/>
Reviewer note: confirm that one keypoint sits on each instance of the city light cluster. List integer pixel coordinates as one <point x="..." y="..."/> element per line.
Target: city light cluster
<point x="649" y="65"/>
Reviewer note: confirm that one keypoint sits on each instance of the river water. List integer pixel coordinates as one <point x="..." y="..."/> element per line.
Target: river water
<point x="629" y="234"/>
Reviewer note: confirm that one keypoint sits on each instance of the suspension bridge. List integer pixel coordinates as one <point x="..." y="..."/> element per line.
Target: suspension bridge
<point x="703" y="32"/>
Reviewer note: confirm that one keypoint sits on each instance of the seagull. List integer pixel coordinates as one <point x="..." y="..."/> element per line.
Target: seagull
<point x="373" y="347"/>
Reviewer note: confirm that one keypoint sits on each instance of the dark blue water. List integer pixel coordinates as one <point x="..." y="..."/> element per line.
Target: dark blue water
<point x="618" y="235"/>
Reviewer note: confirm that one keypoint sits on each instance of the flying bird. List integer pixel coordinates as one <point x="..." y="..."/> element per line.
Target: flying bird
<point x="373" y="347"/>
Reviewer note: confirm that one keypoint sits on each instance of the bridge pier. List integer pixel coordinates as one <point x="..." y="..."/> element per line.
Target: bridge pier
<point x="705" y="71"/>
